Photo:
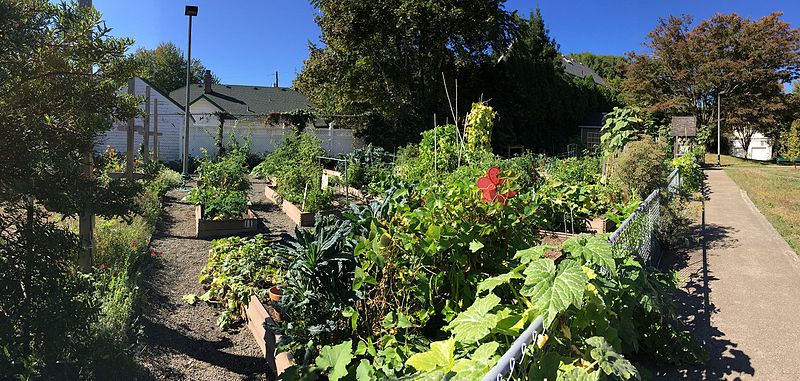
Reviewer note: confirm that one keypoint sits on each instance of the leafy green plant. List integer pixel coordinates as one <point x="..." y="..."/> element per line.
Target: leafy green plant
<point x="317" y="287"/>
<point x="620" y="126"/>
<point x="218" y="203"/>
<point x="238" y="268"/>
<point x="478" y="128"/>
<point x="690" y="172"/>
<point x="640" y="168"/>
<point x="222" y="189"/>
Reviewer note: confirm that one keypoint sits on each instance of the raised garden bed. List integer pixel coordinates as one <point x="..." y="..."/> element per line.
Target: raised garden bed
<point x="257" y="314"/>
<point x="600" y="225"/>
<point x="212" y="228"/>
<point x="293" y="211"/>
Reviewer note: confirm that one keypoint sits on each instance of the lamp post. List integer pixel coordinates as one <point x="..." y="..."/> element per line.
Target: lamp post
<point x="719" y="134"/>
<point x="191" y="10"/>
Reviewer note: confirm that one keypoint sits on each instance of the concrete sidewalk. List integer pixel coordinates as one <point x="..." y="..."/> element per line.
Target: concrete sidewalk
<point x="742" y="292"/>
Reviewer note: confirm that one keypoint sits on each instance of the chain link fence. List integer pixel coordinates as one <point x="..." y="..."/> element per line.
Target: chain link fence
<point x="637" y="235"/>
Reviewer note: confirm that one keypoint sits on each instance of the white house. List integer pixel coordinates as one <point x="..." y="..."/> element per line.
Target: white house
<point x="245" y="109"/>
<point x="166" y="116"/>
<point x="760" y="147"/>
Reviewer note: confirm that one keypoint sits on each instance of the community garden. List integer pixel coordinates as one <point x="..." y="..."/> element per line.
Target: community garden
<point x="451" y="252"/>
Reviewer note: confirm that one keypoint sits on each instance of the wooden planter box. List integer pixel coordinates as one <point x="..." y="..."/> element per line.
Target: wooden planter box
<point x="210" y="228"/>
<point x="601" y="225"/>
<point x="272" y="195"/>
<point x="256" y="315"/>
<point x="293" y="211"/>
<point x="122" y="175"/>
<point x="305" y="218"/>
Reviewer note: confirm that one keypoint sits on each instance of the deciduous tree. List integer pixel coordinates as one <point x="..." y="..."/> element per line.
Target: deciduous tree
<point x="165" y="67"/>
<point x="687" y="68"/>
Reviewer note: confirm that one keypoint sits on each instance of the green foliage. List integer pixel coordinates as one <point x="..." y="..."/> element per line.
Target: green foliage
<point x="223" y="185"/>
<point x="238" y="268"/>
<point x="165" y="67"/>
<point x="478" y="129"/>
<point x="317" y="287"/>
<point x="295" y="166"/>
<point x="793" y="142"/>
<point x="370" y="169"/>
<point x="540" y="104"/>
<point x="219" y="203"/>
<point x="573" y="170"/>
<point x="399" y="85"/>
<point x="689" y="169"/>
<point x="437" y="153"/>
<point x="607" y="66"/>
<point x="588" y="310"/>
<point x="621" y="126"/>
<point x="640" y="168"/>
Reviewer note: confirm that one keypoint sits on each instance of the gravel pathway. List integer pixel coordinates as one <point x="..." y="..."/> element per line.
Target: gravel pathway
<point x="182" y="341"/>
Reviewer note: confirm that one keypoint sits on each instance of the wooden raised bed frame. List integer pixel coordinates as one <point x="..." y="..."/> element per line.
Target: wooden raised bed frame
<point x="295" y="214"/>
<point x="256" y="315"/>
<point x="211" y="228"/>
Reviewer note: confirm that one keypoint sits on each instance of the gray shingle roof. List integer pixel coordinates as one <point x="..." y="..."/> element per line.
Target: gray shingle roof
<point x="593" y="119"/>
<point x="684" y="126"/>
<point x="580" y="70"/>
<point x="243" y="100"/>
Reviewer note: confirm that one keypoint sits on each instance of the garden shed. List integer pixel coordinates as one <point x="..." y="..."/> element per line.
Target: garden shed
<point x="684" y="129"/>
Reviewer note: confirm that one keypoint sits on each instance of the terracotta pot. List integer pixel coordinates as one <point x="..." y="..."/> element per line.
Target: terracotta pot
<point x="275" y="294"/>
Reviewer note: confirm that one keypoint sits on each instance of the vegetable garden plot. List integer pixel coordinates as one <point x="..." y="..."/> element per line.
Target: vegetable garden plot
<point x="206" y="228"/>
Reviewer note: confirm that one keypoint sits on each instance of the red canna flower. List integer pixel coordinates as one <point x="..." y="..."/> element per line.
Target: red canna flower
<point x="488" y="185"/>
<point x="133" y="244"/>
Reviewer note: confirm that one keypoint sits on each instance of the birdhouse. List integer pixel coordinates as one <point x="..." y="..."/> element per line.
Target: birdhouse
<point x="684" y="129"/>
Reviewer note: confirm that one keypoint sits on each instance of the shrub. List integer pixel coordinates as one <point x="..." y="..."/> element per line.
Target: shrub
<point x="640" y="167"/>
<point x="689" y="169"/>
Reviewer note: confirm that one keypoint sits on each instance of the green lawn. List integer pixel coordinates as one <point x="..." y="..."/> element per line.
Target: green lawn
<point x="774" y="189"/>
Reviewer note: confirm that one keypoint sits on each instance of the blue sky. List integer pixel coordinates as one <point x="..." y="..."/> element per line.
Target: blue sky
<point x="246" y="41"/>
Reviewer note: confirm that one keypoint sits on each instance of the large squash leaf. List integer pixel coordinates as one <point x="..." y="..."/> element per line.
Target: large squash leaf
<point x="439" y="357"/>
<point x="591" y="249"/>
<point x="476" y="322"/>
<point x="611" y="362"/>
<point x="335" y="359"/>
<point x="489" y="284"/>
<point x="551" y="291"/>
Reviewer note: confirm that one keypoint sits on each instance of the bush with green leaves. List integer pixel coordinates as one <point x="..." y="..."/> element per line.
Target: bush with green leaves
<point x="691" y="174"/>
<point x="640" y="168"/>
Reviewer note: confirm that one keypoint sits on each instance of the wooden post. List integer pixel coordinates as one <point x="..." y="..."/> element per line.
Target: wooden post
<point x="86" y="219"/>
<point x="155" y="129"/>
<point x="130" y="150"/>
<point x="146" y="137"/>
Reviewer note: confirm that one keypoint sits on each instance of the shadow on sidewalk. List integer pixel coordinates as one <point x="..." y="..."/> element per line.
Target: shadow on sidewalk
<point x="694" y="309"/>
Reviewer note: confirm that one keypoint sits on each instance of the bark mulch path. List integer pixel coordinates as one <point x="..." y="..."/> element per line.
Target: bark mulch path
<point x="182" y="341"/>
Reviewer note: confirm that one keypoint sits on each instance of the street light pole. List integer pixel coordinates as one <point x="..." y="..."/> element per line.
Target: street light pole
<point x="719" y="134"/>
<point x="190" y="10"/>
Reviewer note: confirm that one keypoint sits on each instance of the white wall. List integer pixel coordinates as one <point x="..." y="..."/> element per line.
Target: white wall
<point x="262" y="138"/>
<point x="170" y="124"/>
<point x="760" y="148"/>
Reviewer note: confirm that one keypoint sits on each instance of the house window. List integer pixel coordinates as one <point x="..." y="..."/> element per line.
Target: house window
<point x="592" y="138"/>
